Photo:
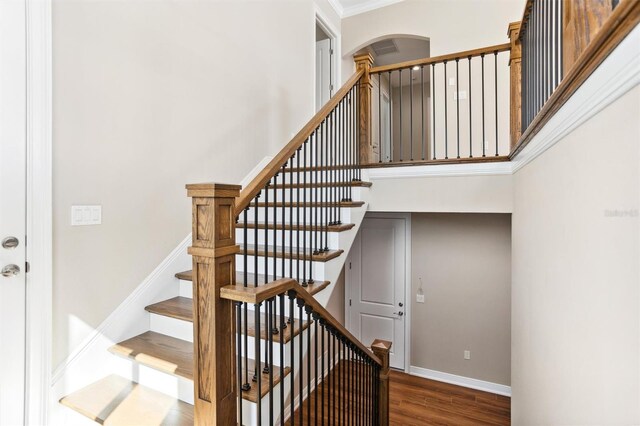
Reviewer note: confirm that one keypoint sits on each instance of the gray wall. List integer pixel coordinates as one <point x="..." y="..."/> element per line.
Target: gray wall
<point x="576" y="291"/>
<point x="465" y="264"/>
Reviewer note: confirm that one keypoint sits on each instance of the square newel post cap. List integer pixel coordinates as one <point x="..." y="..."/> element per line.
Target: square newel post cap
<point x="379" y="345"/>
<point x="213" y="190"/>
<point x="364" y="59"/>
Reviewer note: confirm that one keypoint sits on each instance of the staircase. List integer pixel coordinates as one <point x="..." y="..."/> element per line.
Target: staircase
<point x="293" y="224"/>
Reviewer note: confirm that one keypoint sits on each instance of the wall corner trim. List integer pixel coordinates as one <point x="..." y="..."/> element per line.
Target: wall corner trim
<point x="466" y="382"/>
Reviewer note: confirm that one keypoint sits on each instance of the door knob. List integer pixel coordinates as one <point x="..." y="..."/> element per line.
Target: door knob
<point x="10" y="270"/>
<point x="399" y="313"/>
<point x="10" y="243"/>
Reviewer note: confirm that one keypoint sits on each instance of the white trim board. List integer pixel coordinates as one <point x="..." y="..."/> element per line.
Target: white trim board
<point x="39" y="211"/>
<point x="467" y="169"/>
<point x="466" y="382"/>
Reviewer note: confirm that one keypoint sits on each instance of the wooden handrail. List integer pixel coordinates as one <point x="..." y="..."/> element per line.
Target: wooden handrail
<point x="254" y="295"/>
<point x="259" y="182"/>
<point x="437" y="59"/>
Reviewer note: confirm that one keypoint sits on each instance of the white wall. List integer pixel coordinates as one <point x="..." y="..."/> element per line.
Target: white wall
<point x="575" y="294"/>
<point x="149" y="96"/>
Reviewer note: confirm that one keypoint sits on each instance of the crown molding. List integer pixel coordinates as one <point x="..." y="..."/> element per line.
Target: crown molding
<point x="345" y="12"/>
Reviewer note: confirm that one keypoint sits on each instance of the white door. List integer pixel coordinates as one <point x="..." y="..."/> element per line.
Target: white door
<point x="377" y="285"/>
<point x="323" y="72"/>
<point x="12" y="210"/>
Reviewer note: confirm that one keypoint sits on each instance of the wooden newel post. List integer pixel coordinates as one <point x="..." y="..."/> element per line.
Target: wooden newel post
<point x="213" y="250"/>
<point x="381" y="349"/>
<point x="365" y="61"/>
<point x="515" y="64"/>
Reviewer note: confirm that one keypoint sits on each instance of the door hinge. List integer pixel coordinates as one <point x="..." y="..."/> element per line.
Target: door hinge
<point x="349" y="265"/>
<point x="26" y="267"/>
<point x="349" y="302"/>
<point x="331" y="51"/>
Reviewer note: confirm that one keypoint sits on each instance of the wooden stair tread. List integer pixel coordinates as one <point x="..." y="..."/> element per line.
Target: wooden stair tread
<point x="288" y="226"/>
<point x="345" y="204"/>
<point x="184" y="305"/>
<point x="175" y="356"/>
<point x="116" y="401"/>
<point x="355" y="183"/>
<point x="314" y="288"/>
<point x="252" y="394"/>
<point x="288" y="254"/>
<point x="159" y="351"/>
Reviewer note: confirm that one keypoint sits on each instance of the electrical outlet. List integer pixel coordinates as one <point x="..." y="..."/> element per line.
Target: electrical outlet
<point x="420" y="298"/>
<point x="467" y="354"/>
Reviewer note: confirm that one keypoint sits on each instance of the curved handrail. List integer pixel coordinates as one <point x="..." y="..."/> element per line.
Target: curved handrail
<point x="255" y="295"/>
<point x="259" y="182"/>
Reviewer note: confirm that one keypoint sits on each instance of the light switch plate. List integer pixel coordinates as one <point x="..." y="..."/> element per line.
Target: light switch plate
<point x="420" y="298"/>
<point x="86" y="215"/>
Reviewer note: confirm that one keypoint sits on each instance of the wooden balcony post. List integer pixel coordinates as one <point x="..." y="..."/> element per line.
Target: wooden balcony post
<point x="515" y="65"/>
<point x="213" y="250"/>
<point x="364" y="62"/>
<point x="381" y="349"/>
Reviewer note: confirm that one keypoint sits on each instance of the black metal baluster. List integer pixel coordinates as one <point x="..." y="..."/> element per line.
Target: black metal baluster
<point x="340" y="395"/>
<point x="390" y="120"/>
<point x="495" y="74"/>
<point x="422" y="110"/>
<point x="304" y="216"/>
<point x="275" y="226"/>
<point x="290" y="254"/>
<point x="322" y="370"/>
<point x="281" y="340"/>
<point x="560" y="41"/>
<point x="470" y="120"/>
<point x="246" y="385"/>
<point x="284" y="219"/>
<point x="258" y="374"/>
<point x="329" y="376"/>
<point x="266" y="233"/>
<point x="433" y="103"/>
<point x="446" y="124"/>
<point x="316" y="204"/>
<point x="457" y="109"/>
<point x="297" y="216"/>
<point x="333" y="376"/>
<point x="316" y="320"/>
<point x="256" y="250"/>
<point x="239" y="360"/>
<point x="380" y="118"/>
<point x="300" y="304"/>
<point x="270" y="351"/>
<point x="324" y="187"/>
<point x="308" y="310"/>
<point x="410" y="113"/>
<point x="483" y="121"/>
<point x="400" y="122"/>
<point x="292" y="360"/>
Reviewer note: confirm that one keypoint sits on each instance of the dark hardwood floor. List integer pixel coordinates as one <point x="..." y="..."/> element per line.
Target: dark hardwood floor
<point x="413" y="401"/>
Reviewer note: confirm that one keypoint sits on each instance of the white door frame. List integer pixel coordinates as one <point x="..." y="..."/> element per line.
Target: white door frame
<point x="39" y="212"/>
<point x="319" y="18"/>
<point x="407" y="283"/>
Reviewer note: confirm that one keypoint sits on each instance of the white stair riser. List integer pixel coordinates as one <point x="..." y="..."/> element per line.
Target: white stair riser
<point x="290" y="238"/>
<point x="186" y="289"/>
<point x="171" y="327"/>
<point x="169" y="384"/>
<point x="308" y="194"/>
<point x="321" y="214"/>
<point x="250" y="409"/>
<point x="317" y="268"/>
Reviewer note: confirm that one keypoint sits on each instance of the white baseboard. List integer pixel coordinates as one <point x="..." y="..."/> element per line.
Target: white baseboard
<point x="466" y="382"/>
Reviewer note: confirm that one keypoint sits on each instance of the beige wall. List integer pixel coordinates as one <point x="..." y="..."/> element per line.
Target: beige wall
<point x="147" y="97"/>
<point x="464" y="261"/>
<point x="576" y="298"/>
<point x="479" y="23"/>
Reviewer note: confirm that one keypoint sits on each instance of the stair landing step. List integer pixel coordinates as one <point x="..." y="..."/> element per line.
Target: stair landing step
<point x="288" y="226"/>
<point x="314" y="288"/>
<point x="291" y="253"/>
<point x="117" y="401"/>
<point x="355" y="183"/>
<point x="182" y="308"/>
